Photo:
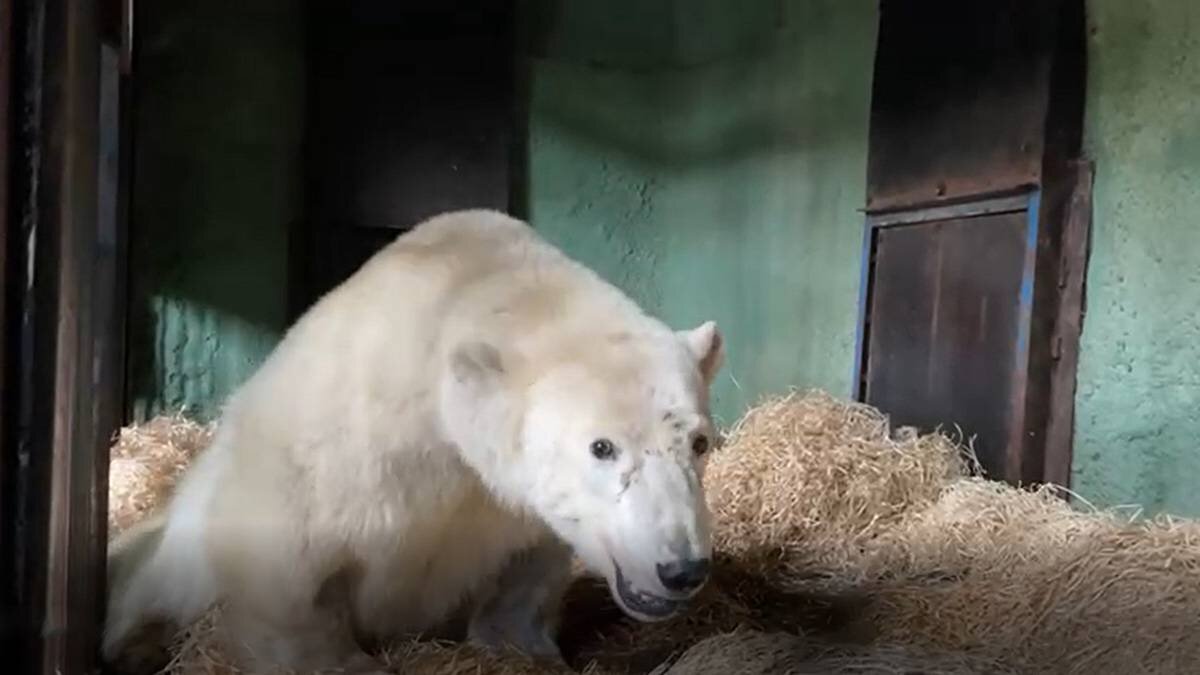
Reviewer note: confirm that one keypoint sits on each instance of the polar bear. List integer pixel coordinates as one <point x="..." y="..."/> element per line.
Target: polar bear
<point x="439" y="436"/>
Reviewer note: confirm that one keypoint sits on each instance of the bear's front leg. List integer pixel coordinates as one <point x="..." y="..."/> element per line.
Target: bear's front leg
<point x="522" y="611"/>
<point x="280" y="613"/>
<point x="310" y="641"/>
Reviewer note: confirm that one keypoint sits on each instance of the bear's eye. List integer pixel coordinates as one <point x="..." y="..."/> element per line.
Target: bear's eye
<point x="602" y="448"/>
<point x="700" y="445"/>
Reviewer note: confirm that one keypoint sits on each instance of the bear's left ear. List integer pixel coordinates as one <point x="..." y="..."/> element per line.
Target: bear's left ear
<point x="707" y="345"/>
<point x="479" y="413"/>
<point x="475" y="396"/>
<point x="476" y="365"/>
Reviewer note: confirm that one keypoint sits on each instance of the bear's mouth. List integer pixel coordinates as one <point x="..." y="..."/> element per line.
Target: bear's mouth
<point x="649" y="606"/>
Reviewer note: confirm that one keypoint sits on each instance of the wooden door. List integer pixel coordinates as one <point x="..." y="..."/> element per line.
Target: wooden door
<point x="946" y="325"/>
<point x="966" y="317"/>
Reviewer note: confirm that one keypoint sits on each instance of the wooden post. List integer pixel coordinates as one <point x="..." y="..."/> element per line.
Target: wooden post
<point x="57" y="461"/>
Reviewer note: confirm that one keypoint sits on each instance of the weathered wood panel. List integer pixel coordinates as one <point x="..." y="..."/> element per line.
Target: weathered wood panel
<point x="55" y="451"/>
<point x="944" y="318"/>
<point x="1068" y="326"/>
<point x="959" y="100"/>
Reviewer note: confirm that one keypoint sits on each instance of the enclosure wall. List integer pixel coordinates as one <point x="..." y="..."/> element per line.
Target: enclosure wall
<point x="709" y="157"/>
<point x="1138" y="403"/>
<point x="218" y="121"/>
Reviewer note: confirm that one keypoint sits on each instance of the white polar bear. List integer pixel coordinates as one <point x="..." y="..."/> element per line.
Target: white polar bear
<point x="437" y="436"/>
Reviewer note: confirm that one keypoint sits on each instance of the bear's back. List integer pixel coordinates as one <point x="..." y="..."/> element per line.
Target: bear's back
<point x="485" y="275"/>
<point x="384" y="333"/>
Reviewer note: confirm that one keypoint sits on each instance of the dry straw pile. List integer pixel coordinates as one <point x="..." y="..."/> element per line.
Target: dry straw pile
<point x="144" y="464"/>
<point x="758" y="653"/>
<point x="844" y="547"/>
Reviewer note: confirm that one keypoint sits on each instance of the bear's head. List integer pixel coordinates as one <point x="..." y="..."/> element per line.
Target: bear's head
<point x="604" y="439"/>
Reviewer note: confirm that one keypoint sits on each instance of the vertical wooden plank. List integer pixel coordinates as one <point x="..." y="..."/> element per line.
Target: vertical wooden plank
<point x="1058" y="307"/>
<point x="54" y="540"/>
<point x="1070" y="280"/>
<point x="107" y="369"/>
<point x="69" y="184"/>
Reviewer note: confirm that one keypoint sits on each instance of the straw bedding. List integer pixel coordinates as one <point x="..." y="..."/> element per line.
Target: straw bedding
<point x="758" y="653"/>
<point x="144" y="464"/>
<point x="844" y="546"/>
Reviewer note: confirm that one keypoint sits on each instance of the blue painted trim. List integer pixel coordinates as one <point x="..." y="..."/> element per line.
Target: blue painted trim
<point x="856" y="392"/>
<point x="1025" y="304"/>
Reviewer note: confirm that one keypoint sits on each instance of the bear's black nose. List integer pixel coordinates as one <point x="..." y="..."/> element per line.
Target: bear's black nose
<point x="683" y="576"/>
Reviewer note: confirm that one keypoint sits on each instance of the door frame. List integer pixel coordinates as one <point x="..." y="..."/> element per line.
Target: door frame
<point x="64" y="227"/>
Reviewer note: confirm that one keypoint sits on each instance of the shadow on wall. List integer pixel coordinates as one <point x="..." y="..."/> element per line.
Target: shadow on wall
<point x="710" y="159"/>
<point x="707" y="156"/>
<point x="217" y="147"/>
<point x="704" y="83"/>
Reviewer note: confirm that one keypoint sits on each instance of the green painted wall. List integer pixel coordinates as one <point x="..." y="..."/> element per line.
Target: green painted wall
<point x="1138" y="405"/>
<point x="217" y="183"/>
<point x="709" y="158"/>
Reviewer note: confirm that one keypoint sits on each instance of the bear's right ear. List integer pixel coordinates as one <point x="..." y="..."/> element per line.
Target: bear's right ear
<point x="476" y="364"/>
<point x="708" y="346"/>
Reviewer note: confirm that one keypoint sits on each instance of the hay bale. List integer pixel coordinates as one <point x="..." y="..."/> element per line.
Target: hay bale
<point x="144" y="464"/>
<point x="447" y="658"/>
<point x="814" y="495"/>
<point x="1024" y="576"/>
<point x="805" y="482"/>
<point x="201" y="650"/>
<point x="756" y="653"/>
<point x="831" y="525"/>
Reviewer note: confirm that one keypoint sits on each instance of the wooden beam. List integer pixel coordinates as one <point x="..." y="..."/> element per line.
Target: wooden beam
<point x="56" y="545"/>
<point x="1071" y="282"/>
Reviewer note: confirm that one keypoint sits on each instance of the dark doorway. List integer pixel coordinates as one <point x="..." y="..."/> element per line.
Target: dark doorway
<point x="411" y="112"/>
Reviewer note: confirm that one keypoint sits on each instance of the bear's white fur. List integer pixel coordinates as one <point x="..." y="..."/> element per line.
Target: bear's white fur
<point x="442" y="431"/>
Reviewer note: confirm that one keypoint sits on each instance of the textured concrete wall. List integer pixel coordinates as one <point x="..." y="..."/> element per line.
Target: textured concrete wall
<point x="709" y="157"/>
<point x="1138" y="423"/>
<point x="218" y="123"/>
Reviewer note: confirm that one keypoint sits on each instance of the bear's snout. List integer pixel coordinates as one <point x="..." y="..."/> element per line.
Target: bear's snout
<point x="684" y="575"/>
